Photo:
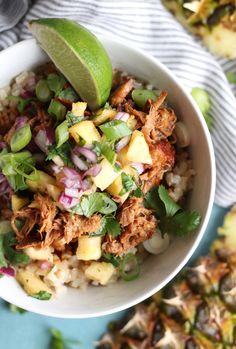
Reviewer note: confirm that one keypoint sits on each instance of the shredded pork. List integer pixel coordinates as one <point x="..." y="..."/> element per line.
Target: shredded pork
<point x="121" y="93"/>
<point x="138" y="224"/>
<point x="43" y="225"/>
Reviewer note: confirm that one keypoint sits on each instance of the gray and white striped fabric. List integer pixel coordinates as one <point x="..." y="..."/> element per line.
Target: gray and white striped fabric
<point x="148" y="25"/>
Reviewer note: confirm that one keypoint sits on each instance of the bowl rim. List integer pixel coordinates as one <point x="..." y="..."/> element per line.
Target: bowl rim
<point x="212" y="184"/>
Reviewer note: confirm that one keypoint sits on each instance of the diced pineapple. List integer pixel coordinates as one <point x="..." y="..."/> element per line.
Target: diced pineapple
<point x="41" y="183"/>
<point x="31" y="283"/>
<point x="132" y="122"/>
<point x="89" y="248"/>
<point x="138" y="150"/>
<point x="122" y="156"/>
<point x="100" y="272"/>
<point x="79" y="108"/>
<point x="17" y="203"/>
<point x="39" y="254"/>
<point x="116" y="187"/>
<point x="229" y="228"/>
<point x="86" y="130"/>
<point x="104" y="115"/>
<point x="106" y="176"/>
<point x="53" y="191"/>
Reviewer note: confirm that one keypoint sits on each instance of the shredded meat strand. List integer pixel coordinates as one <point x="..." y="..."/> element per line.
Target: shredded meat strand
<point x="138" y="224"/>
<point x="119" y="95"/>
<point x="7" y="118"/>
<point x="163" y="158"/>
<point x="45" y="226"/>
<point x="139" y="114"/>
<point x="160" y="121"/>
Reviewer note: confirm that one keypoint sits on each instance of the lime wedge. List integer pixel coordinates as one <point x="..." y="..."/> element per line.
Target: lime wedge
<point x="79" y="55"/>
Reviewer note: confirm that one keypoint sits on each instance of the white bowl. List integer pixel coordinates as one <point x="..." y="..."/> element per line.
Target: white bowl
<point x="157" y="271"/>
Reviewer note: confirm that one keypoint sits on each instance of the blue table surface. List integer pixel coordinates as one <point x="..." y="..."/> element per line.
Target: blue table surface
<point x="30" y="331"/>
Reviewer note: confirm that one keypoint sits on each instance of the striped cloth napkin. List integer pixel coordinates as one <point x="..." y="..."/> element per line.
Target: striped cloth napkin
<point x="148" y="25"/>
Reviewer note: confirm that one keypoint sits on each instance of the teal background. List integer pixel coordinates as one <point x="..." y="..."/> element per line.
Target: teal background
<point x="30" y="331"/>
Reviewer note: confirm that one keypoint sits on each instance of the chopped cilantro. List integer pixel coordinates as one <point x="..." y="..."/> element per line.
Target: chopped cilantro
<point x="109" y="225"/>
<point x="13" y="257"/>
<point x="111" y="258"/>
<point x="21" y="102"/>
<point x="17" y="310"/>
<point x="68" y="94"/>
<point x="63" y="151"/>
<point x="59" y="342"/>
<point x="173" y="218"/>
<point x="56" y="82"/>
<point x="73" y="119"/>
<point x="137" y="192"/>
<point x="42" y="295"/>
<point x="128" y="183"/>
<point x="96" y="202"/>
<point x="106" y="149"/>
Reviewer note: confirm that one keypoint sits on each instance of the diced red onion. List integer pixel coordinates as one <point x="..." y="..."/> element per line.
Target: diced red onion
<point x="138" y="166"/>
<point x="45" y="265"/>
<point x="122" y="143"/>
<point x="27" y="94"/>
<point x="21" y="121"/>
<point x="44" y="138"/>
<point x="68" y="201"/>
<point x="122" y="116"/>
<point x="74" y="193"/>
<point x="93" y="171"/>
<point x="81" y="164"/>
<point x="70" y="178"/>
<point x="88" y="153"/>
<point x="8" y="271"/>
<point x="86" y="184"/>
<point x="2" y="145"/>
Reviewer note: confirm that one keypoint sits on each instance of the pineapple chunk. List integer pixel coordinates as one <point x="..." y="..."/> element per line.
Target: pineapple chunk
<point x="89" y="248"/>
<point x="100" y="272"/>
<point x="53" y="191"/>
<point x="86" y="130"/>
<point x="132" y="122"/>
<point x="79" y="108"/>
<point x="41" y="183"/>
<point x="122" y="156"/>
<point x="106" y="114"/>
<point x="229" y="228"/>
<point x="138" y="150"/>
<point x="116" y="187"/>
<point x="39" y="254"/>
<point x="106" y="176"/>
<point x="31" y="283"/>
<point x="17" y="203"/>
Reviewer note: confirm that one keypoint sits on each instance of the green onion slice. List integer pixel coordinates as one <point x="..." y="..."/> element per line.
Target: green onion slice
<point x="131" y="263"/>
<point x="21" y="138"/>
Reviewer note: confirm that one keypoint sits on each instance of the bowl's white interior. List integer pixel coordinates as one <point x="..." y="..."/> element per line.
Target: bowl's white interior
<point x="157" y="270"/>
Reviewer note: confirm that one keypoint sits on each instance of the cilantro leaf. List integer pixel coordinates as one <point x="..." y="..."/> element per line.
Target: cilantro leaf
<point x="181" y="224"/>
<point x="59" y="342"/>
<point x="21" y="102"/>
<point x="106" y="149"/>
<point x="128" y="183"/>
<point x="96" y="202"/>
<point x="14" y="309"/>
<point x="153" y="201"/>
<point x="68" y="94"/>
<point x="73" y="119"/>
<point x="137" y="193"/>
<point x="42" y="295"/>
<point x="63" y="151"/>
<point x="14" y="257"/>
<point x="111" y="258"/>
<point x="170" y="205"/>
<point x="109" y="225"/>
<point x="173" y="218"/>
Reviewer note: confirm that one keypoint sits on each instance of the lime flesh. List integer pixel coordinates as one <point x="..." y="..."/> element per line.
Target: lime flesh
<point x="79" y="55"/>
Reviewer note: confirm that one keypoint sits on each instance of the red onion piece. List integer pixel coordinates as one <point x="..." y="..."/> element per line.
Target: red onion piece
<point x="86" y="184"/>
<point x="86" y="152"/>
<point x="44" y="138"/>
<point x="2" y="145"/>
<point x="27" y="94"/>
<point x="55" y="168"/>
<point x="20" y="121"/>
<point x="81" y="164"/>
<point x="138" y="166"/>
<point x="74" y="193"/>
<point x="45" y="265"/>
<point x="122" y="116"/>
<point x="70" y="178"/>
<point x="67" y="201"/>
<point x="8" y="271"/>
<point x="93" y="171"/>
<point x="122" y="143"/>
